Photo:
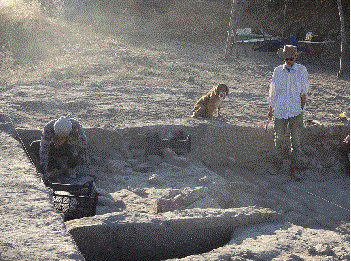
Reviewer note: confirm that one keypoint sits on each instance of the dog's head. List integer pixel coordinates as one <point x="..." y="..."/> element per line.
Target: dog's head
<point x="221" y="90"/>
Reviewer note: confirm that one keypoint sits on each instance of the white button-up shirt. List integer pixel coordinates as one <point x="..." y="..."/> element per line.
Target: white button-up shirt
<point x="286" y="89"/>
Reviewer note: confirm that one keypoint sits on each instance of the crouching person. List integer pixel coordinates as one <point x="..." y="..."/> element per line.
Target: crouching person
<point x="61" y="150"/>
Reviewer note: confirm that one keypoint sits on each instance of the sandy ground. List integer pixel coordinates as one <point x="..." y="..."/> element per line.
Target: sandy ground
<point x="119" y="82"/>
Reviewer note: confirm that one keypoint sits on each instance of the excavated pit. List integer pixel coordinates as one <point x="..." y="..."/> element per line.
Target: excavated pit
<point x="147" y="241"/>
<point x="129" y="236"/>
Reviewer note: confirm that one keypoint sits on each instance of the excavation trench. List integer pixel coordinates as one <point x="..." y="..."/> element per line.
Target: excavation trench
<point x="124" y="233"/>
<point x="154" y="236"/>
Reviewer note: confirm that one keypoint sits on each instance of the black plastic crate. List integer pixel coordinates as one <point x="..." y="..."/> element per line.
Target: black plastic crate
<point x="85" y="189"/>
<point x="75" y="206"/>
<point x="75" y="200"/>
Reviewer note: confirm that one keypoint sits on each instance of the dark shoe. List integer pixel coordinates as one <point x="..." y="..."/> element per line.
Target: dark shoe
<point x="295" y="173"/>
<point x="275" y="169"/>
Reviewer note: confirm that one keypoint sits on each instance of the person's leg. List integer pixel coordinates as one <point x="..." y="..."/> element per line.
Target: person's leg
<point x="296" y="126"/>
<point x="344" y="154"/>
<point x="33" y="151"/>
<point x="280" y="126"/>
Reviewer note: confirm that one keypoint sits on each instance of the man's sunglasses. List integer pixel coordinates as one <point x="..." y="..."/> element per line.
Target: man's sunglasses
<point x="290" y="59"/>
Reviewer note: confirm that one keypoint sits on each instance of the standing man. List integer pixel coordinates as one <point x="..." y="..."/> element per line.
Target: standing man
<point x="61" y="149"/>
<point x="287" y="99"/>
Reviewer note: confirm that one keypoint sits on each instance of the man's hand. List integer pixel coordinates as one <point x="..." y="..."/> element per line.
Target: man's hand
<point x="270" y="113"/>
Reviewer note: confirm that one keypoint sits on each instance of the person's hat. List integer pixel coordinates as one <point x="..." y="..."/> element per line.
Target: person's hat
<point x="287" y="52"/>
<point x="63" y="126"/>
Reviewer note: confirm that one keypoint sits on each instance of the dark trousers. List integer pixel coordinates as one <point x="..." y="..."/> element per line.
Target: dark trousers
<point x="59" y="157"/>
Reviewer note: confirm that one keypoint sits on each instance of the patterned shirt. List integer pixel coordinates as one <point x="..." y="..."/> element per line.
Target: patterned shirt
<point x="77" y="137"/>
<point x="286" y="89"/>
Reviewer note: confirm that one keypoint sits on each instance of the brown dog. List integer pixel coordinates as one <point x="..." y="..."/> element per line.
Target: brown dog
<point x="210" y="102"/>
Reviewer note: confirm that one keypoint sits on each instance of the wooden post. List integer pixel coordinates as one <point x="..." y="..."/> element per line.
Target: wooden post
<point x="229" y="43"/>
<point x="343" y="41"/>
<point x="284" y="20"/>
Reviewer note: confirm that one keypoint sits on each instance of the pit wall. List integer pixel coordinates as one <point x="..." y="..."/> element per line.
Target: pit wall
<point x="30" y="227"/>
<point x="213" y="145"/>
<point x="126" y="236"/>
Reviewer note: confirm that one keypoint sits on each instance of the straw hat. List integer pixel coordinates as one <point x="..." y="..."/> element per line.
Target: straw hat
<point x="288" y="51"/>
